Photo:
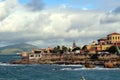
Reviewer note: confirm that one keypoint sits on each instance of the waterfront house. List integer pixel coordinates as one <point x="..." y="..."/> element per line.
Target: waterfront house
<point x="113" y="38"/>
<point x="34" y="55"/>
<point x="104" y="44"/>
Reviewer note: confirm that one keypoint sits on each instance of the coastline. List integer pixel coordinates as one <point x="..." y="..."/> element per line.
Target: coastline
<point x="72" y="59"/>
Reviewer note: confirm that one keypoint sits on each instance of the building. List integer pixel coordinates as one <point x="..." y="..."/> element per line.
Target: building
<point x="74" y="45"/>
<point x="104" y="43"/>
<point x="48" y="50"/>
<point x="113" y="38"/>
<point x="92" y="49"/>
<point x="34" y="55"/>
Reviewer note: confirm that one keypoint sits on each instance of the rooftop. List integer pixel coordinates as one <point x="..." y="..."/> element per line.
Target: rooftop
<point x="115" y="33"/>
<point x="104" y="38"/>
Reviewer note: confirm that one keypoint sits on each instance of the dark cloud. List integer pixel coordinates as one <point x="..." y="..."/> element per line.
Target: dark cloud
<point x="116" y="10"/>
<point x="111" y="17"/>
<point x="35" y="5"/>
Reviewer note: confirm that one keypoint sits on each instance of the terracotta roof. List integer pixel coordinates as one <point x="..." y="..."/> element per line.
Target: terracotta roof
<point x="114" y="33"/>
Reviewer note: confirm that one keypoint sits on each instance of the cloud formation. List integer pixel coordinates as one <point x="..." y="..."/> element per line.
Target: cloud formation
<point x="35" y="5"/>
<point x="112" y="17"/>
<point x="116" y="10"/>
<point x="6" y="8"/>
<point x="33" y="24"/>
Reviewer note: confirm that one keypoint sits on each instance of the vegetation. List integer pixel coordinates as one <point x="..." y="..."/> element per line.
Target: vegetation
<point x="84" y="47"/>
<point x="60" y="49"/>
<point x="64" y="49"/>
<point x="112" y="49"/>
<point x="77" y="48"/>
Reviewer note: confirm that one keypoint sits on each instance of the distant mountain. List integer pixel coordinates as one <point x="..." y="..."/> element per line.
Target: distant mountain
<point x="17" y="48"/>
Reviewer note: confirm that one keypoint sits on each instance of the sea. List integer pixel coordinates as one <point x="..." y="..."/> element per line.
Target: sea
<point x="52" y="72"/>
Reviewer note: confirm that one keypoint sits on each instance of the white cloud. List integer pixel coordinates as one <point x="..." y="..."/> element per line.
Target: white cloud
<point x="54" y="26"/>
<point x="7" y="7"/>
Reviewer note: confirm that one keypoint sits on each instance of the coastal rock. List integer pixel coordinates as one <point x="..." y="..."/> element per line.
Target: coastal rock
<point x="22" y="61"/>
<point x="109" y="64"/>
<point x="89" y="66"/>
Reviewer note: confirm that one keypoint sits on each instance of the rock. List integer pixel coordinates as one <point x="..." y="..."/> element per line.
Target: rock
<point x="89" y="66"/>
<point x="109" y="64"/>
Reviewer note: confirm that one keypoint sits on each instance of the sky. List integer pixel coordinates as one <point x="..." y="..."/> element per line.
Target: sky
<point x="48" y="23"/>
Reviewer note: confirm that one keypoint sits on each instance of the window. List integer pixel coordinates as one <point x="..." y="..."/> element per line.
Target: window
<point x="31" y="55"/>
<point x="113" y="37"/>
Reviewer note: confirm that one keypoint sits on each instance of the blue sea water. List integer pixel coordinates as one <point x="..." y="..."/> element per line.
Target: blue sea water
<point x="52" y="72"/>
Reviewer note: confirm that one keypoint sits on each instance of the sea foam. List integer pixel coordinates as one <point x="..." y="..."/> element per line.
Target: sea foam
<point x="83" y="68"/>
<point x="8" y="64"/>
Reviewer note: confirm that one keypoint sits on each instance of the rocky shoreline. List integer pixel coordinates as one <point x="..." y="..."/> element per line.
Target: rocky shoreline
<point x="89" y="61"/>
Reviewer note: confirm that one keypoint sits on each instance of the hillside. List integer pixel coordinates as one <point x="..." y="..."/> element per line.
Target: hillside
<point x="17" y="48"/>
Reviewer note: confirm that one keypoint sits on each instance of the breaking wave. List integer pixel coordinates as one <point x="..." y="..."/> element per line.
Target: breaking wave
<point x="73" y="65"/>
<point x="83" y="68"/>
<point x="8" y="64"/>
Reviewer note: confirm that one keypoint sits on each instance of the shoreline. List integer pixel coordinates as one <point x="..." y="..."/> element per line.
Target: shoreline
<point x="86" y="61"/>
<point x="79" y="66"/>
<point x="63" y="67"/>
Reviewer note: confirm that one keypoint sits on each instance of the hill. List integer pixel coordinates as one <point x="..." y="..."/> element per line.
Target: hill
<point x="17" y="48"/>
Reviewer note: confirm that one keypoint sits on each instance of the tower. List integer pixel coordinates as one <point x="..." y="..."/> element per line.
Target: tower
<point x="74" y="44"/>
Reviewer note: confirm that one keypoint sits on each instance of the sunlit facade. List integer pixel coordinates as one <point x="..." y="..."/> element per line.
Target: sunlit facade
<point x="104" y="43"/>
<point x="113" y="38"/>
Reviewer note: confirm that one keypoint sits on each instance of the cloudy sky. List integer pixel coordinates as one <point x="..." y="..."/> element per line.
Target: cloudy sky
<point x="57" y="22"/>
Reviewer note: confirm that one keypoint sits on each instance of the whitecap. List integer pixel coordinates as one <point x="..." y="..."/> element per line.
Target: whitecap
<point x="71" y="65"/>
<point x="96" y="68"/>
<point x="66" y="69"/>
<point x="8" y="64"/>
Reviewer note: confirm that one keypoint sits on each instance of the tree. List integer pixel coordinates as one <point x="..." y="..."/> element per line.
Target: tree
<point x="69" y="49"/>
<point x="57" y="49"/>
<point x="84" y="47"/>
<point x="64" y="48"/>
<point x="77" y="48"/>
<point x="112" y="49"/>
